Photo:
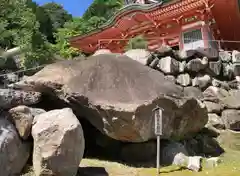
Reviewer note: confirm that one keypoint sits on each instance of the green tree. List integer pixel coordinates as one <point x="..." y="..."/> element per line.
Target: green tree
<point x="103" y="8"/>
<point x="19" y="27"/>
<point x="138" y="42"/>
<point x="58" y="15"/>
<point x="71" y="28"/>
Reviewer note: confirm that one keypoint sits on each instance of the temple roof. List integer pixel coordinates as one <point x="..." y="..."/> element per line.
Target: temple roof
<point x="153" y="20"/>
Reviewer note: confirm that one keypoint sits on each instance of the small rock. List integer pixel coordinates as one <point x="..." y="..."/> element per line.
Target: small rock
<point x="235" y="56"/>
<point x="184" y="79"/>
<point x="215" y="121"/>
<point x="168" y="65"/>
<point x="232" y="101"/>
<point x="214" y="107"/>
<point x="185" y="55"/>
<point x="221" y="84"/>
<point x="215" y="94"/>
<point x="182" y="66"/>
<point x="194" y="163"/>
<point x="140" y="55"/>
<point x="201" y="81"/>
<point x="11" y="78"/>
<point x="164" y="51"/>
<point x="193" y="92"/>
<point x="225" y="56"/>
<point x="215" y="67"/>
<point x="58" y="143"/>
<point x="212" y="162"/>
<point x="228" y="71"/>
<point x="231" y="119"/>
<point x="154" y="63"/>
<point x="236" y="69"/>
<point x="195" y="65"/>
<point x="22" y="118"/>
<point x="205" y="61"/>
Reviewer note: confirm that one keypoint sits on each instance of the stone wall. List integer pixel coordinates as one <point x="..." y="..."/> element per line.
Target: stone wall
<point x="215" y="73"/>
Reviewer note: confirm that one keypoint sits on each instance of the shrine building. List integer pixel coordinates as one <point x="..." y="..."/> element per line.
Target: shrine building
<point x="183" y="24"/>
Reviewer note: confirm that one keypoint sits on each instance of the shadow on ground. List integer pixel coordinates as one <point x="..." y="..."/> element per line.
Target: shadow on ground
<point x="92" y="171"/>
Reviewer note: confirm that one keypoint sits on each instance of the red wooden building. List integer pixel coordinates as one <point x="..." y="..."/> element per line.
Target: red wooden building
<point x="186" y="24"/>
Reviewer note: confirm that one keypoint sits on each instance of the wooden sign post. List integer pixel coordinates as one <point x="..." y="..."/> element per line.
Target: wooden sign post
<point x="158" y="132"/>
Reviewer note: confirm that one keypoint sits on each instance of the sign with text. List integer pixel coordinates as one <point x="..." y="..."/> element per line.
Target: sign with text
<point x="158" y="120"/>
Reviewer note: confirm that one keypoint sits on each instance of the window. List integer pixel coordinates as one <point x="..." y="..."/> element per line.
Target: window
<point x="193" y="39"/>
<point x="192" y="36"/>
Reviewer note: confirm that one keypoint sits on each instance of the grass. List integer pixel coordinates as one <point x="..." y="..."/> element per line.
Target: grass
<point x="230" y="166"/>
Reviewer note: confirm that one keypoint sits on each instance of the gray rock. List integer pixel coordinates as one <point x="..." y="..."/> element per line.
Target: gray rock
<point x="193" y="92"/>
<point x="184" y="79"/>
<point x="58" y="143"/>
<point x="232" y="101"/>
<point x="182" y="66"/>
<point x="215" y="67"/>
<point x="212" y="162"/>
<point x="127" y="100"/>
<point x="236" y="69"/>
<point x="194" y="163"/>
<point x="225" y="56"/>
<point x="214" y="107"/>
<point x="10" y="98"/>
<point x="11" y="78"/>
<point x="201" y="81"/>
<point x="163" y="51"/>
<point x="228" y="70"/>
<point x="221" y="84"/>
<point x="14" y="152"/>
<point x="235" y="56"/>
<point x="154" y="63"/>
<point x="168" y="65"/>
<point x="181" y="55"/>
<point x="234" y="84"/>
<point x="215" y="121"/>
<point x="215" y="94"/>
<point x="205" y="61"/>
<point x="195" y="65"/>
<point x="231" y="119"/>
<point x="140" y="55"/>
<point x="22" y="118"/>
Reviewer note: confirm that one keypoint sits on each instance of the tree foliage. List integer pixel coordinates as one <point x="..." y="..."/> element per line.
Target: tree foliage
<point x="138" y="42"/>
<point x="45" y="30"/>
<point x="103" y="8"/>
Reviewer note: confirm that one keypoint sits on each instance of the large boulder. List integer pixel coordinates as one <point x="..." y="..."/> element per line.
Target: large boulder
<point x="10" y="98"/>
<point x="117" y="95"/>
<point x="14" y="152"/>
<point x="58" y="143"/>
